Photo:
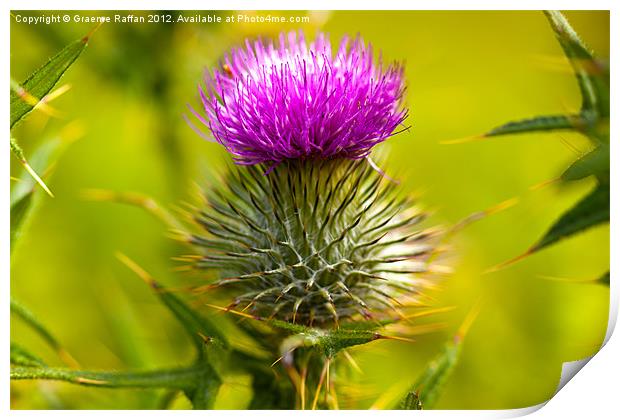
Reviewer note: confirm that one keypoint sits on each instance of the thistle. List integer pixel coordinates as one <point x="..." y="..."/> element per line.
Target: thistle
<point x="306" y="231"/>
<point x="270" y="103"/>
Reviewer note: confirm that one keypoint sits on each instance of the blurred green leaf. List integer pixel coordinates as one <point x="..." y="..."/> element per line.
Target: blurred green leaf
<point x="204" y="388"/>
<point x="22" y="357"/>
<point x="429" y="385"/>
<point x="19" y="212"/>
<point x="589" y="212"/>
<point x="23" y="195"/>
<point x="43" y="80"/>
<point x="594" y="163"/>
<point x="198" y="327"/>
<point x="32" y="321"/>
<point x="604" y="279"/>
<point x="203" y="395"/>
<point x="537" y="124"/>
<point x="29" y="318"/>
<point x="592" y="76"/>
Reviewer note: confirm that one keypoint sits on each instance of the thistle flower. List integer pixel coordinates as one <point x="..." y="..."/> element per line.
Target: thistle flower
<point x="306" y="231"/>
<point x="268" y="103"/>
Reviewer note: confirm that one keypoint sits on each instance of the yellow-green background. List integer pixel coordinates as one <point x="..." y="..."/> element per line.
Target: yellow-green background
<point x="466" y="72"/>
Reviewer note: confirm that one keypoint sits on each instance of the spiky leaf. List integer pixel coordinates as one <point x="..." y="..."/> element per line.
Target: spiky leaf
<point x="592" y="75"/>
<point x="180" y="378"/>
<point x="328" y="342"/>
<point x="538" y="124"/>
<point x="43" y="80"/>
<point x="596" y="163"/>
<point x="589" y="212"/>
<point x="592" y="120"/>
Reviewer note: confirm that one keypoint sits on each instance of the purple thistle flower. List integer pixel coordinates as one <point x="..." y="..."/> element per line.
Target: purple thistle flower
<point x="269" y="103"/>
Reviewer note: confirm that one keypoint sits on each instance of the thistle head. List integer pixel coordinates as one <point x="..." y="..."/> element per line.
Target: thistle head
<point x="313" y="243"/>
<point x="306" y="231"/>
<point x="292" y="100"/>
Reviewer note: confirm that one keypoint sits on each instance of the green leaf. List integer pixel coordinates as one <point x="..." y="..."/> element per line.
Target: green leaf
<point x="185" y="378"/>
<point x="429" y="385"/>
<point x="412" y="401"/>
<point x="28" y="317"/>
<point x="19" y="212"/>
<point x="193" y="322"/>
<point x="431" y="382"/>
<point x="589" y="212"/>
<point x="24" y="199"/>
<point x="203" y="396"/>
<point x="22" y="357"/>
<point x="604" y="279"/>
<point x="329" y="342"/>
<point x="43" y="80"/>
<point x="19" y="154"/>
<point x="205" y="386"/>
<point x="594" y="163"/>
<point x="538" y="124"/>
<point x="593" y="76"/>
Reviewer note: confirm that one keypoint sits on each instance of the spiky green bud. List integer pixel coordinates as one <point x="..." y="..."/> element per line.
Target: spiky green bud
<point x="313" y="242"/>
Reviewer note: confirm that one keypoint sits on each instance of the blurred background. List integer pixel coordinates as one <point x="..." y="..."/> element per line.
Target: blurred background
<point x="466" y="72"/>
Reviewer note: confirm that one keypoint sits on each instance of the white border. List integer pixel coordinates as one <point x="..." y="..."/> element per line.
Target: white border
<point x="593" y="394"/>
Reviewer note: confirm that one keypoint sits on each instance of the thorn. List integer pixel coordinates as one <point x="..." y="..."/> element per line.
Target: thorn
<point x="352" y="361"/>
<point x="327" y="381"/>
<point x="90" y="34"/>
<point x="90" y="381"/>
<point x="232" y="311"/>
<point x="510" y="262"/>
<point x="543" y="184"/>
<point x="278" y="359"/>
<point x="566" y="279"/>
<point x="570" y="146"/>
<point x="139" y="271"/>
<point x="467" y="139"/>
<point x="467" y="323"/>
<point x="381" y="172"/>
<point x="67" y="358"/>
<point x="134" y="199"/>
<point x="54" y="94"/>
<point x="393" y="337"/>
<point x="430" y="312"/>
<point x="302" y="386"/>
<point x="502" y="206"/>
<point x="206" y="339"/>
<point x="36" y="178"/>
<point x="318" y="388"/>
<point x="474" y="217"/>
